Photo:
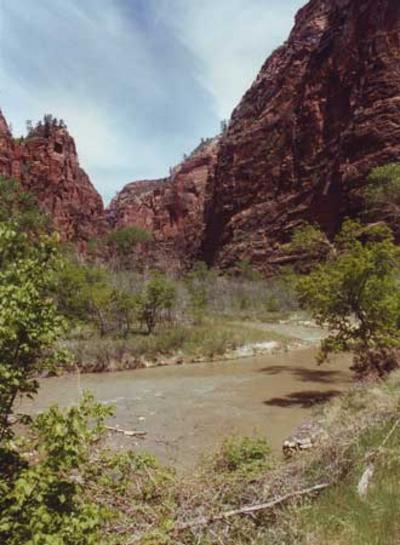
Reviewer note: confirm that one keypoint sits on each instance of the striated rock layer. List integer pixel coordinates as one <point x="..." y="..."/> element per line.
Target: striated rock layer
<point x="323" y="111"/>
<point x="46" y="163"/>
<point x="172" y="209"/>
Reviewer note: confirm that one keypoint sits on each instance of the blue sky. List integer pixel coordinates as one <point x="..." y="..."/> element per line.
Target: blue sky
<point x="138" y="82"/>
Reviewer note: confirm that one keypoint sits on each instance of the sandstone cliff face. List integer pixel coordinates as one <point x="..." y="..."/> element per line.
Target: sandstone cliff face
<point x="46" y="163"/>
<point x="172" y="209"/>
<point x="323" y="111"/>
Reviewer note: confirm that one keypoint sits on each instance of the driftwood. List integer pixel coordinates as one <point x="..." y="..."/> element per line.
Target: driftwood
<point x="249" y="509"/>
<point x="127" y="433"/>
<point x="366" y="477"/>
<point x="364" y="482"/>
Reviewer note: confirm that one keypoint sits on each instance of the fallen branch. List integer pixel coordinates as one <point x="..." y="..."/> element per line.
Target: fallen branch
<point x="249" y="509"/>
<point x="375" y="452"/>
<point x="127" y="433"/>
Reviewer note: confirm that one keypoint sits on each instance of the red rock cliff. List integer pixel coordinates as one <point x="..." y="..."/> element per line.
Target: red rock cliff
<point x="46" y="163"/>
<point x="323" y="111"/>
<point x="171" y="209"/>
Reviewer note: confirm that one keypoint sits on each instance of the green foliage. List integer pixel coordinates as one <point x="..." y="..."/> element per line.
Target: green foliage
<point x="44" y="502"/>
<point x="20" y="208"/>
<point x="247" y="272"/>
<point x="29" y="322"/>
<point x="244" y="454"/>
<point x="382" y="194"/>
<point x="341" y="516"/>
<point x="356" y="294"/>
<point x="42" y="498"/>
<point x="155" y="300"/>
<point x="311" y="240"/>
<point x="85" y="293"/>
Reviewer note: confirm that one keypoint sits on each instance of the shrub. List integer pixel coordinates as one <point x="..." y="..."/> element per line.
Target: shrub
<point x="382" y="194"/>
<point x="157" y="297"/>
<point x="245" y="454"/>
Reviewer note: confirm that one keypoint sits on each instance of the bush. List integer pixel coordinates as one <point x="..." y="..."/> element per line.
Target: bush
<point x="198" y="285"/>
<point x="244" y="454"/>
<point x="156" y="299"/>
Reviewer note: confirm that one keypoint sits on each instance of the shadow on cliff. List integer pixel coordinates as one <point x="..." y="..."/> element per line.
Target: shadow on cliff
<point x="305" y="400"/>
<point x="305" y="374"/>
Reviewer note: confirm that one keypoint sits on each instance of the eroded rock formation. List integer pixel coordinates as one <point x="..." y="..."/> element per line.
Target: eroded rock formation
<point x="46" y="163"/>
<point x="323" y="111"/>
<point x="172" y="209"/>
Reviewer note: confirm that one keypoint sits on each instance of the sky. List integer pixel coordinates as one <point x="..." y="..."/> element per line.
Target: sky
<point x="138" y="82"/>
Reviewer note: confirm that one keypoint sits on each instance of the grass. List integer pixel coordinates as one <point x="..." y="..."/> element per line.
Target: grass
<point x="213" y="339"/>
<point x="243" y="472"/>
<point x="342" y="517"/>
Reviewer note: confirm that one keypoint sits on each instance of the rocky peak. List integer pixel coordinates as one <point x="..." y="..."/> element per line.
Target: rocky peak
<point x="4" y="129"/>
<point x="46" y="163"/>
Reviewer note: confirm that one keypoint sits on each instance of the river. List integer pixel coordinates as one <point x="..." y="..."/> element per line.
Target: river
<point x="188" y="410"/>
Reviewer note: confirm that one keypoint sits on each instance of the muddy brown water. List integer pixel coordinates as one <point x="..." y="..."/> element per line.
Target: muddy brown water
<point x="188" y="410"/>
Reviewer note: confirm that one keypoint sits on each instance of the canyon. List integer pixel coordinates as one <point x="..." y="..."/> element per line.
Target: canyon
<point x="322" y="112"/>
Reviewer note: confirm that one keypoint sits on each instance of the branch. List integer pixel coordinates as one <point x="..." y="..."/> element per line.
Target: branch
<point x="374" y="453"/>
<point x="249" y="509"/>
<point x="127" y="433"/>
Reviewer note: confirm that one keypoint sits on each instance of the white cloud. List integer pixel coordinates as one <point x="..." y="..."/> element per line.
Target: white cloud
<point x="232" y="39"/>
<point x="138" y="82"/>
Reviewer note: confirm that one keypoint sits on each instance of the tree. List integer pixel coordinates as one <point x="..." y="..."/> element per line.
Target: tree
<point x="123" y="241"/>
<point x="29" y="322"/>
<point x="382" y="195"/>
<point x="198" y="285"/>
<point x="43" y="472"/>
<point x="20" y="207"/>
<point x="355" y="293"/>
<point x="157" y="297"/>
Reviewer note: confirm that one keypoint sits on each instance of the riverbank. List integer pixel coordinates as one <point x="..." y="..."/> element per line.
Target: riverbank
<point x="216" y="338"/>
<point x="342" y="491"/>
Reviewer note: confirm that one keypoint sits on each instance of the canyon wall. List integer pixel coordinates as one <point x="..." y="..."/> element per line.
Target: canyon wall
<point x="171" y="209"/>
<point x="323" y="111"/>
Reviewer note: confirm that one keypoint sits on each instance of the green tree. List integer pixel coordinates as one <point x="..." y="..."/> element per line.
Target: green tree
<point x="85" y="294"/>
<point x="355" y="293"/>
<point x="123" y="241"/>
<point x="42" y="491"/>
<point x="45" y="501"/>
<point x="20" y="207"/>
<point x="157" y="297"/>
<point x="382" y="195"/>
<point x="29" y="322"/>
